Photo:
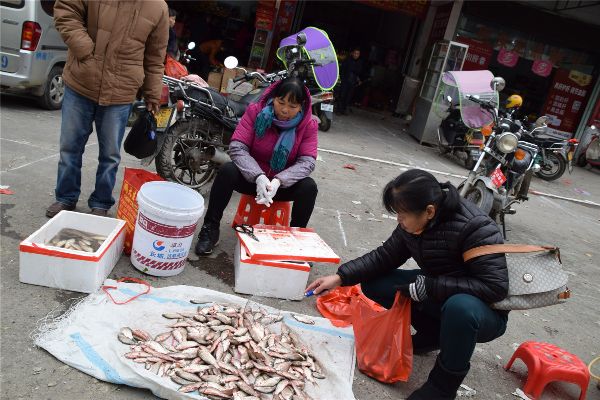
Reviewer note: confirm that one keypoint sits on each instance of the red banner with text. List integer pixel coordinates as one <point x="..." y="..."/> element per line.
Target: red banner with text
<point x="567" y="99"/>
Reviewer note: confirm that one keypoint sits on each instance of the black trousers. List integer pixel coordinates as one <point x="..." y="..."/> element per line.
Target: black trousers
<point x="455" y="325"/>
<point x="346" y="94"/>
<point x="229" y="178"/>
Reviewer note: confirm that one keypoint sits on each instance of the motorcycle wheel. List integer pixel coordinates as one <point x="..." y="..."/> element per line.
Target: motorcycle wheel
<point x="481" y="196"/>
<point x="171" y="164"/>
<point x="553" y="168"/>
<point x="325" y="123"/>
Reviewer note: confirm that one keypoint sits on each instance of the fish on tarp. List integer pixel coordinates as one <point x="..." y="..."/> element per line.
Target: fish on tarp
<point x="227" y="353"/>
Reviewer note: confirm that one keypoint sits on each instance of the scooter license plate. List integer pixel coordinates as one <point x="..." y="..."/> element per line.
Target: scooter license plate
<point x="162" y="117"/>
<point x="327" y="107"/>
<point x="475" y="154"/>
<point x="498" y="177"/>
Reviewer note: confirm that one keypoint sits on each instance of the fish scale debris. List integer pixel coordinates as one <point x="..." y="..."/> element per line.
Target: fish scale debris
<point x="224" y="351"/>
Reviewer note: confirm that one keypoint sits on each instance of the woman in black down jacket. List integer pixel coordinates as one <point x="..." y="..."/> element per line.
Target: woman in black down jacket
<point x="450" y="298"/>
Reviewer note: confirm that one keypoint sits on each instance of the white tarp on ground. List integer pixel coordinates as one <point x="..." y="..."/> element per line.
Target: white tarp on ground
<point x="86" y="338"/>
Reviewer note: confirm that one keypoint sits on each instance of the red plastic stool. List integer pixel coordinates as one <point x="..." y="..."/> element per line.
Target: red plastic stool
<point x="548" y="363"/>
<point x="248" y="212"/>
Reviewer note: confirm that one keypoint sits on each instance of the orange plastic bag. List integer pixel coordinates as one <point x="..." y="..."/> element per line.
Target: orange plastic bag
<point x="174" y="68"/>
<point x="128" y="205"/>
<point x="336" y="305"/>
<point x="383" y="341"/>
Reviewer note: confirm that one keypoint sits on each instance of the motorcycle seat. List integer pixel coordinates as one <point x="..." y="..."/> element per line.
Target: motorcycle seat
<point x="220" y="101"/>
<point x="237" y="107"/>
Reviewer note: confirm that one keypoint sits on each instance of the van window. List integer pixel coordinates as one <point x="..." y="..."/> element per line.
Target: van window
<point x="12" y="3"/>
<point x="48" y="7"/>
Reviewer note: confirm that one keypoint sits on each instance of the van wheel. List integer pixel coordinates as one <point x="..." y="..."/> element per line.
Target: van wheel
<point x="54" y="92"/>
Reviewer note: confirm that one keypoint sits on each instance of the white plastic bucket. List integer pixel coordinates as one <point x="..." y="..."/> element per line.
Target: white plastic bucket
<point x="165" y="226"/>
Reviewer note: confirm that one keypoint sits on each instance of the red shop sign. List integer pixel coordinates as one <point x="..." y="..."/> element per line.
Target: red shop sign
<point x="508" y="58"/>
<point x="566" y="99"/>
<point x="478" y="55"/>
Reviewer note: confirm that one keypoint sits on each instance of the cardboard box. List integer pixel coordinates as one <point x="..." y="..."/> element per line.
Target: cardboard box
<point x="215" y="79"/>
<point x="80" y="271"/>
<point x="277" y="264"/>
<point x="280" y="279"/>
<point x="227" y="75"/>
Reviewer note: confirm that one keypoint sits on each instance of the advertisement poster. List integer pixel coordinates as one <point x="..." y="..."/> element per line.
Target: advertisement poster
<point x="479" y="54"/>
<point x="265" y="15"/>
<point x="566" y="101"/>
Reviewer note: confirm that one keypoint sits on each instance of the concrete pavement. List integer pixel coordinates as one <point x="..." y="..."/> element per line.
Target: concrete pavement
<point x="29" y="155"/>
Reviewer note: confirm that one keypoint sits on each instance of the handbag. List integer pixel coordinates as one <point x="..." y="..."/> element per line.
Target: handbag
<point x="535" y="275"/>
<point x="141" y="140"/>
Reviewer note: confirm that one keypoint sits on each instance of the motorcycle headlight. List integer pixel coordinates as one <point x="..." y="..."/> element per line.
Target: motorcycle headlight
<point x="507" y="142"/>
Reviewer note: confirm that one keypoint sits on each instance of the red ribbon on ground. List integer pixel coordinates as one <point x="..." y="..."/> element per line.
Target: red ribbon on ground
<point x="127" y="279"/>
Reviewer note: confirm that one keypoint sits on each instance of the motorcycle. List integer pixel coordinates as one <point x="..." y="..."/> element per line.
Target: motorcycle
<point x="459" y="132"/>
<point x="455" y="137"/>
<point x="555" y="157"/>
<point x="503" y="172"/>
<point x="590" y="151"/>
<point x="195" y="125"/>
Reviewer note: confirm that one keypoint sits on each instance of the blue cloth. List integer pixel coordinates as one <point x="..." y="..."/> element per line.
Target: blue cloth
<point x="287" y="134"/>
<point x="78" y="115"/>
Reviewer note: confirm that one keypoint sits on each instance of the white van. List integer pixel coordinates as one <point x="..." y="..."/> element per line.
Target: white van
<point x="32" y="53"/>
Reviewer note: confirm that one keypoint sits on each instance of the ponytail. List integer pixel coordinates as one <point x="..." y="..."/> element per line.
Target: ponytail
<point x="450" y="197"/>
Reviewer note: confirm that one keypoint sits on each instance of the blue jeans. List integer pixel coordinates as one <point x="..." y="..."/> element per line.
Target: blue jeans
<point x="454" y="326"/>
<point x="78" y="114"/>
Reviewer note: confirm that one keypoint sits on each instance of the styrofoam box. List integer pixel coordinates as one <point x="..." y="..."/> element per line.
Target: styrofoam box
<point x="80" y="271"/>
<point x="280" y="279"/>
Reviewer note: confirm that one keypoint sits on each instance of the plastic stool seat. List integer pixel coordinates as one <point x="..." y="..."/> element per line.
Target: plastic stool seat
<point x="548" y="363"/>
<point x="248" y="212"/>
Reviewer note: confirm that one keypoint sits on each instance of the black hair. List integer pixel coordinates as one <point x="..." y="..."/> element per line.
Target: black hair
<point x="292" y="86"/>
<point x="172" y="13"/>
<point x="415" y="189"/>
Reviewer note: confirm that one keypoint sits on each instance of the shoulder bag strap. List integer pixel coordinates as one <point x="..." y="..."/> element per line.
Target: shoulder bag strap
<point x="504" y="248"/>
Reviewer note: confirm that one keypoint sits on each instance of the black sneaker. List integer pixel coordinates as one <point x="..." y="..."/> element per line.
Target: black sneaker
<point x="208" y="238"/>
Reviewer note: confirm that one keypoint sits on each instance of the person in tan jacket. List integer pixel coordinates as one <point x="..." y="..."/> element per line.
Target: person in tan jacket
<point x="115" y="48"/>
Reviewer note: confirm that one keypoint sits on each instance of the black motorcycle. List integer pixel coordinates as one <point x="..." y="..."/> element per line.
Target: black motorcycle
<point x="503" y="172"/>
<point x="198" y="124"/>
<point x="455" y="137"/>
<point x="555" y="156"/>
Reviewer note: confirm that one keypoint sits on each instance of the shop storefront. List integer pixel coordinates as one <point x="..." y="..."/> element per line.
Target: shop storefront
<point x="384" y="31"/>
<point x="554" y="70"/>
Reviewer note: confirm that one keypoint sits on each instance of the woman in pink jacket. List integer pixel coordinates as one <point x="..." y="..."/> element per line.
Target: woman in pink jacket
<point x="273" y="151"/>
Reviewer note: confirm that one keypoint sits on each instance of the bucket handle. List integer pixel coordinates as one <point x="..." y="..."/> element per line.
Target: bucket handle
<point x="127" y="279"/>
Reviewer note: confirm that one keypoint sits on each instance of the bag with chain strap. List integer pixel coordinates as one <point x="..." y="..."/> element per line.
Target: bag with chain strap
<point x="535" y="275"/>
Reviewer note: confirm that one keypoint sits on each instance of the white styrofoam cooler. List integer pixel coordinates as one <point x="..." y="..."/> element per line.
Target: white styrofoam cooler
<point x="80" y="271"/>
<point x="280" y="279"/>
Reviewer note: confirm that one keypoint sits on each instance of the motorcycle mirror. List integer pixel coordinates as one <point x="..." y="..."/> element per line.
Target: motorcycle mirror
<point x="191" y="45"/>
<point x="498" y="83"/>
<point x="301" y="39"/>
<point x="542" y="121"/>
<point x="231" y="62"/>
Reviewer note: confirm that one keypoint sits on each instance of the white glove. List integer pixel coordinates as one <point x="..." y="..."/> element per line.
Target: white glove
<point x="261" y="186"/>
<point x="272" y="189"/>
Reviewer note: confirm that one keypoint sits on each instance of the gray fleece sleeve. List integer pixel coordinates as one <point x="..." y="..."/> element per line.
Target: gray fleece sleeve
<point x="302" y="168"/>
<point x="240" y="155"/>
